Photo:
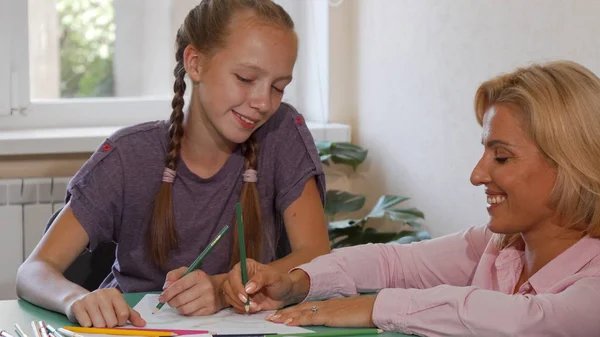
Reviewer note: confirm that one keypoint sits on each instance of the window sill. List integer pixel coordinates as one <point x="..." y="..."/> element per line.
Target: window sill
<point x="87" y="139"/>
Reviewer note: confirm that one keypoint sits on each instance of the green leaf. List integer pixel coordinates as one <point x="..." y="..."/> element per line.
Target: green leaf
<point x="341" y="224"/>
<point x="341" y="228"/>
<point x="405" y="214"/>
<point x="341" y="153"/>
<point x="342" y="202"/>
<point x="377" y="237"/>
<point x="384" y="203"/>
<point x="346" y="160"/>
<point x="325" y="159"/>
<point x="423" y="235"/>
<point x="342" y="243"/>
<point x="348" y="154"/>
<point x="323" y="146"/>
<point x="413" y="224"/>
<point x="406" y="239"/>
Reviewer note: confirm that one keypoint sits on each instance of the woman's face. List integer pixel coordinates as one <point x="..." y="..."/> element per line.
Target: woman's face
<point x="518" y="178"/>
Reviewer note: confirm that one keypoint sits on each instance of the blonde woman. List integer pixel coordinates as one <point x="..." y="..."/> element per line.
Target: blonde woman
<point x="534" y="270"/>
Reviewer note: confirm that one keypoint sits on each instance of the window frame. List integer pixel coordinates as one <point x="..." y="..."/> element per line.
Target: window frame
<point x="22" y="113"/>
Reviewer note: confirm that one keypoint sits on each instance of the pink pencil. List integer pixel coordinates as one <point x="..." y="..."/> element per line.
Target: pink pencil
<point x="178" y="332"/>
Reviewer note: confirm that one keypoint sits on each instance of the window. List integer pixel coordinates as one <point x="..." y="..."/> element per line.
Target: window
<point x="82" y="63"/>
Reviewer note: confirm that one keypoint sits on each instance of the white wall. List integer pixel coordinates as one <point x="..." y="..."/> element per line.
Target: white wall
<point x="418" y="64"/>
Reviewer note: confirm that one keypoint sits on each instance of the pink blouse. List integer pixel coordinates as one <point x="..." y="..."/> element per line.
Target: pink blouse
<point x="462" y="285"/>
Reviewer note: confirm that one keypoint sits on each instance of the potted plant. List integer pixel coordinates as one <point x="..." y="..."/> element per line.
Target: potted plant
<point x="350" y="232"/>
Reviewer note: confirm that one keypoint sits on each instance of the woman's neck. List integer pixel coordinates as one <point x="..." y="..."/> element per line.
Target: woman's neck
<point x="544" y="244"/>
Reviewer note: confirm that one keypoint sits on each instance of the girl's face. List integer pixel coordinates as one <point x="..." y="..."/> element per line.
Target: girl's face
<point x="518" y="178"/>
<point x="240" y="87"/>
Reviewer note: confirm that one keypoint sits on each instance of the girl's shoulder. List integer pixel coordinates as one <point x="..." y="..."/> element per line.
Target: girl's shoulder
<point x="153" y="133"/>
<point x="286" y="125"/>
<point x="140" y="145"/>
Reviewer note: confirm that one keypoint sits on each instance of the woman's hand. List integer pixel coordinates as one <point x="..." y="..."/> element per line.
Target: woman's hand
<point x="103" y="308"/>
<point x="195" y="294"/>
<point x="268" y="288"/>
<point x="350" y="312"/>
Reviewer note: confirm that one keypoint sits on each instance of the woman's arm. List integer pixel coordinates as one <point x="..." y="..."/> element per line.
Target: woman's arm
<point x="450" y="259"/>
<point x="40" y="278"/>
<point x="469" y="311"/>
<point x="306" y="229"/>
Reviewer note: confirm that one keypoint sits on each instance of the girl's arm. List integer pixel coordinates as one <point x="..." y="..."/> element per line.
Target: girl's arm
<point x="40" y="278"/>
<point x="306" y="229"/>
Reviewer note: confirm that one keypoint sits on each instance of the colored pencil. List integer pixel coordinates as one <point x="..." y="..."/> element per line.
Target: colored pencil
<point x="42" y="329"/>
<point x="337" y="333"/>
<point x="242" y="244"/>
<point x="117" y="331"/>
<point x="20" y="331"/>
<point x="198" y="260"/>
<point x="68" y="333"/>
<point x="175" y="331"/>
<point x="247" y="335"/>
<point x="36" y="329"/>
<point x="53" y="331"/>
<point x="5" y="333"/>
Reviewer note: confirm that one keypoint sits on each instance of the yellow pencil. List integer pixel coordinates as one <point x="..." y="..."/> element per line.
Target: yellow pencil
<point x="123" y="332"/>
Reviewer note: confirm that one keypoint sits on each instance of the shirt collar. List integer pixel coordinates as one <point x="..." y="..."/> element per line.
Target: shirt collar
<point x="566" y="264"/>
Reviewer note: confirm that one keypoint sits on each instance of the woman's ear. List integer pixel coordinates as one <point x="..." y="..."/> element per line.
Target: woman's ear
<point x="192" y="60"/>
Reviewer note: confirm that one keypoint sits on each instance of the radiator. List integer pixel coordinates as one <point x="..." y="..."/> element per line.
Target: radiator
<point x="25" y="207"/>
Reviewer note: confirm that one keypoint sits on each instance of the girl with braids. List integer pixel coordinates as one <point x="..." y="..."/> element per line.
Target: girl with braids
<point x="162" y="190"/>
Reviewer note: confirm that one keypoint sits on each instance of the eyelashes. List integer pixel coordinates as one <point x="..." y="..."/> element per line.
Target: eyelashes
<point x="246" y="80"/>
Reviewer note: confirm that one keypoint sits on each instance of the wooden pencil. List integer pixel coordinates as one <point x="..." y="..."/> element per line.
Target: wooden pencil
<point x="121" y="332"/>
<point x="242" y="246"/>
<point x="198" y="260"/>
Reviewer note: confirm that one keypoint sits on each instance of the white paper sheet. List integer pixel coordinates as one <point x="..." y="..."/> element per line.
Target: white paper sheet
<point x="224" y="322"/>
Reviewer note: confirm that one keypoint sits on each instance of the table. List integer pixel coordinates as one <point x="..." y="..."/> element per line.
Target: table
<point x="23" y="312"/>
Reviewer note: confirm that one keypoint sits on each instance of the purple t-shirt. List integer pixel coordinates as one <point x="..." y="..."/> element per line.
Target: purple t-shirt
<point x="113" y="193"/>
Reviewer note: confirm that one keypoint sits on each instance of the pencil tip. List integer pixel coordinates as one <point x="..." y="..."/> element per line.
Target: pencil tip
<point x="247" y="308"/>
<point x="155" y="310"/>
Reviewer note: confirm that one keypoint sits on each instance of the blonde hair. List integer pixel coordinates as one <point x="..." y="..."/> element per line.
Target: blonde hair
<point x="560" y="102"/>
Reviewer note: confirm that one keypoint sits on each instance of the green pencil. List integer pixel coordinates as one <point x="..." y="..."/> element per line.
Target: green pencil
<point x="338" y="333"/>
<point x="241" y="241"/>
<point x="198" y="260"/>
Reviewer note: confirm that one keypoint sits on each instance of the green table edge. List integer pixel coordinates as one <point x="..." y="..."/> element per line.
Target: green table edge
<point x="23" y="312"/>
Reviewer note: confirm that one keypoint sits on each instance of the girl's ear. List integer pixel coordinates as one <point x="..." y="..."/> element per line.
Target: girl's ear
<point x="192" y="60"/>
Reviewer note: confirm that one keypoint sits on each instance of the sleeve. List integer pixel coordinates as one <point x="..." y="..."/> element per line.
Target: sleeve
<point x="451" y="259"/>
<point x="297" y="161"/>
<point x="95" y="194"/>
<point x="468" y="311"/>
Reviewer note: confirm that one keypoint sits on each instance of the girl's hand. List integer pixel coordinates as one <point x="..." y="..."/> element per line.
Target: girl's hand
<point x="268" y="289"/>
<point x="103" y="308"/>
<point x="350" y="312"/>
<point x="195" y="294"/>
